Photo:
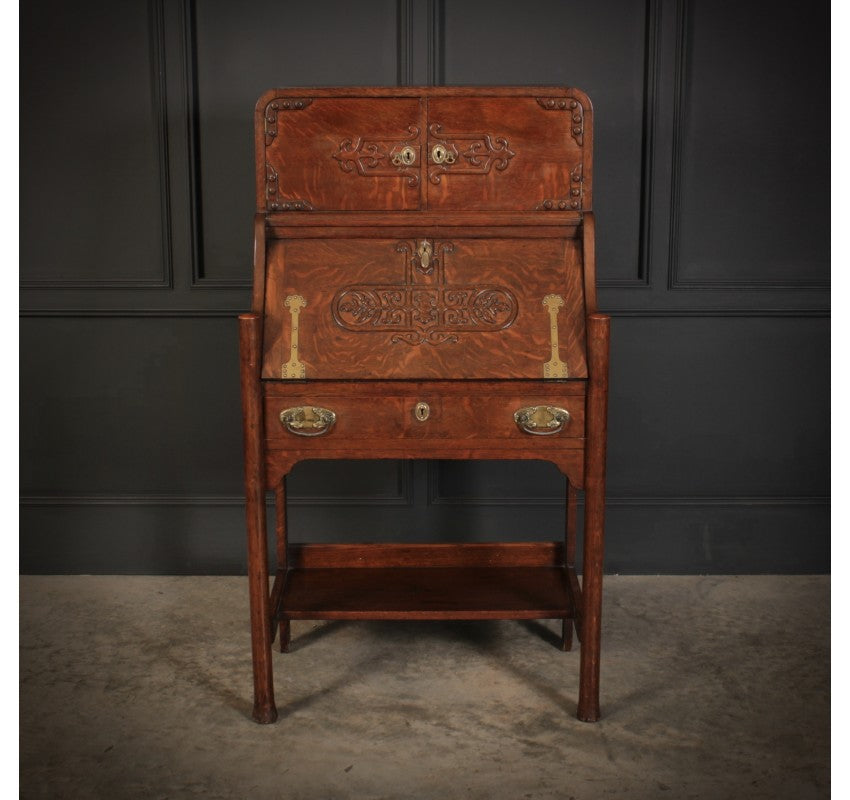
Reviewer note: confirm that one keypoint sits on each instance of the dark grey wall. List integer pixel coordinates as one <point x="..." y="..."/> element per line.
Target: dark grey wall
<point x="711" y="195"/>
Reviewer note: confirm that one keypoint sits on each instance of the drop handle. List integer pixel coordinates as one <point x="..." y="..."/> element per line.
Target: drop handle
<point x="307" y="420"/>
<point x="541" y="420"/>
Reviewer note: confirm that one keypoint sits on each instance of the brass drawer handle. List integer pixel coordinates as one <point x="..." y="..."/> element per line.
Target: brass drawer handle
<point x="542" y="420"/>
<point x="308" y="420"/>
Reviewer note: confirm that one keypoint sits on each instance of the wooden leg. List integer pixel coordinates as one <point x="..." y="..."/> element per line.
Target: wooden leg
<point x="284" y="636"/>
<point x="598" y="330"/>
<point x="255" y="518"/>
<point x="570" y="553"/>
<point x="567" y="635"/>
<point x="280" y="538"/>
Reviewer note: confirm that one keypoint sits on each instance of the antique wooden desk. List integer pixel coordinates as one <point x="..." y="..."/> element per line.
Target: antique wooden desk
<point x="424" y="287"/>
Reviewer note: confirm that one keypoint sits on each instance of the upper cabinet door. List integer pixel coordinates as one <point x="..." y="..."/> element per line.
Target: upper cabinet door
<point x="516" y="153"/>
<point x="339" y="153"/>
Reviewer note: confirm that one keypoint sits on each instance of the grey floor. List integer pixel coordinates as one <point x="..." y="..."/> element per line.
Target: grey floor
<point x="712" y="687"/>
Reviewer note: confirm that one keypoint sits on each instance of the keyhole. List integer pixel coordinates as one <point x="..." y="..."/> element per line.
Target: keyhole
<point x="422" y="411"/>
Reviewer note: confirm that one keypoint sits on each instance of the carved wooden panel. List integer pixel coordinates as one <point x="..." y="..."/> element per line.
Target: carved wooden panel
<point x="339" y="153"/>
<point x="518" y="153"/>
<point x="424" y="307"/>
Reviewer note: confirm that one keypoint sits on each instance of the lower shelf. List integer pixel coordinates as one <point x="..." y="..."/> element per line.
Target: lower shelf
<point x="430" y="592"/>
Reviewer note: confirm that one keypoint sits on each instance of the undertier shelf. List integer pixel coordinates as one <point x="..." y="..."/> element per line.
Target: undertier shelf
<point x="426" y="592"/>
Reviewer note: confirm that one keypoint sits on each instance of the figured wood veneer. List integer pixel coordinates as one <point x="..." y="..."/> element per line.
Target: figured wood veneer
<point x="423" y="274"/>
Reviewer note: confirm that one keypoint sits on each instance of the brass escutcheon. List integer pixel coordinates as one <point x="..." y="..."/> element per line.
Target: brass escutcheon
<point x="422" y="411"/>
<point x="406" y="156"/>
<point x="440" y="155"/>
<point x="307" y="420"/>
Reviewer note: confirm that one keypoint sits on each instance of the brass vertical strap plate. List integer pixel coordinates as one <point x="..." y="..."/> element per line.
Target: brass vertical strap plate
<point x="294" y="368"/>
<point x="554" y="367"/>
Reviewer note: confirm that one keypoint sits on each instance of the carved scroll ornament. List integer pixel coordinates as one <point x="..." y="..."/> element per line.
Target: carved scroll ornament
<point x="418" y="313"/>
<point x="465" y="153"/>
<point x="378" y="156"/>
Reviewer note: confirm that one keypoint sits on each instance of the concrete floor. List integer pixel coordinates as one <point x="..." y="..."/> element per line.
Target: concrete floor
<point x="712" y="687"/>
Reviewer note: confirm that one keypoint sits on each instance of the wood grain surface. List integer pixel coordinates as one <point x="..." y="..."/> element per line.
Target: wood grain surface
<point x="408" y="329"/>
<point x="326" y="149"/>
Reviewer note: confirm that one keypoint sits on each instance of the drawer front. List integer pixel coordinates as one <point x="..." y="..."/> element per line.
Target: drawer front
<point x="424" y="307"/>
<point x="506" y="417"/>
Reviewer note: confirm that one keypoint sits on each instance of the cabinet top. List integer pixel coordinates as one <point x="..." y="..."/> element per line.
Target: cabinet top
<point x="442" y="149"/>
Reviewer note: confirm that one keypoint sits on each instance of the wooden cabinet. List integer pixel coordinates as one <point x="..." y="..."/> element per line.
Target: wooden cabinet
<point x="424" y="287"/>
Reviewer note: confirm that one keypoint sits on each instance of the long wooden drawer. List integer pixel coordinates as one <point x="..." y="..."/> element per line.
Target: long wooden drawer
<point x="388" y="413"/>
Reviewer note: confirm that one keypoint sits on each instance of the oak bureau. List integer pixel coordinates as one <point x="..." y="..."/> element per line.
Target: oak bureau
<point x="424" y="287"/>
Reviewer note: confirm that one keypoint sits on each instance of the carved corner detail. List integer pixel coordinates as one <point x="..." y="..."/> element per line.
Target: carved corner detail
<point x="275" y="201"/>
<point x="281" y="104"/>
<point x="573" y="201"/>
<point x="575" y="109"/>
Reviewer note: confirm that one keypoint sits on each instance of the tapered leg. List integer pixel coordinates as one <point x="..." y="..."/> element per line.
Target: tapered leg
<point x="280" y="538"/>
<point x="570" y="552"/>
<point x="598" y="334"/>
<point x="255" y="518"/>
<point x="567" y="635"/>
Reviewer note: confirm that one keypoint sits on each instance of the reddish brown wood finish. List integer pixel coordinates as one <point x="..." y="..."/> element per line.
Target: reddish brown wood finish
<point x="452" y="258"/>
<point x="250" y="332"/>
<point x="570" y="560"/>
<point x="281" y="552"/>
<point x="426" y="593"/>
<point x="373" y="312"/>
<point x="477" y="555"/>
<point x="598" y="333"/>
<point x="339" y="149"/>
<point x="386" y="411"/>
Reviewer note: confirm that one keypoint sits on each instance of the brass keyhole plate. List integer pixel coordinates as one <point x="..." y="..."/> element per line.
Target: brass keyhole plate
<point x="441" y="155"/>
<point x="422" y="411"/>
<point x="406" y="156"/>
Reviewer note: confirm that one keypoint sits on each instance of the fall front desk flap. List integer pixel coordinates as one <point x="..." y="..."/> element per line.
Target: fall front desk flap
<point x="424" y="307"/>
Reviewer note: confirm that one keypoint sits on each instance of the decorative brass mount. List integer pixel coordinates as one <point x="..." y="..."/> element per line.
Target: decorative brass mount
<point x="294" y="368"/>
<point x="440" y="155"/>
<point x="541" y="420"/>
<point x="404" y="157"/>
<point x="554" y="367"/>
<point x="307" y="420"/>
